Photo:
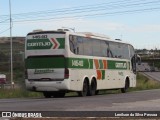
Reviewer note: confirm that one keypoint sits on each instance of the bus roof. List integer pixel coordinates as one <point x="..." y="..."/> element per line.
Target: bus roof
<point x="84" y="34"/>
<point x="98" y="36"/>
<point x="43" y="32"/>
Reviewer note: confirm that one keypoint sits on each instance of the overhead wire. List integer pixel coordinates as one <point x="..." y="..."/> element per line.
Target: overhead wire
<point x="52" y="12"/>
<point x="91" y="15"/>
<point x="96" y="14"/>
<point x="97" y="9"/>
<point x="67" y="9"/>
<point x="4" y="21"/>
<point x="112" y="7"/>
<point x="109" y="8"/>
<point x="4" y="30"/>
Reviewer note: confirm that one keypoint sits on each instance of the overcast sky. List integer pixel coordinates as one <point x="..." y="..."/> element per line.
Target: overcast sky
<point x="134" y="21"/>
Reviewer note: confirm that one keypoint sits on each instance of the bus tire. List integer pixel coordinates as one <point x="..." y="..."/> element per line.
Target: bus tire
<point x="97" y="91"/>
<point x="84" y="91"/>
<point x="47" y="94"/>
<point x="59" y="94"/>
<point x="124" y="90"/>
<point x="93" y="87"/>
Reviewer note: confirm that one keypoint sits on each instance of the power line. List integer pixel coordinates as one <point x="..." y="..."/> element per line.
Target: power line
<point x="5" y="30"/>
<point x="4" y="21"/>
<point x="97" y="8"/>
<point x="104" y="8"/>
<point x="67" y="9"/>
<point x="73" y="10"/>
<point x="91" y="15"/>
<point x="112" y="8"/>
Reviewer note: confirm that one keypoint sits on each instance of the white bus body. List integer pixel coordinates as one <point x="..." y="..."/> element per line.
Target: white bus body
<point x="61" y="61"/>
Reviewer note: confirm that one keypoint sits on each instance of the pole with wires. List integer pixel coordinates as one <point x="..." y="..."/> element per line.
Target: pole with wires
<point x="11" y="47"/>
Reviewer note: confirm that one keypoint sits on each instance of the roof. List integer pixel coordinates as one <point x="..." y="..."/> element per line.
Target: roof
<point x="86" y="34"/>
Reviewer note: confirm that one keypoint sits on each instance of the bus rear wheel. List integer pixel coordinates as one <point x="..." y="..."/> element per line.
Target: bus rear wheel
<point x="93" y="87"/>
<point x="84" y="91"/>
<point x="47" y="94"/>
<point x="59" y="94"/>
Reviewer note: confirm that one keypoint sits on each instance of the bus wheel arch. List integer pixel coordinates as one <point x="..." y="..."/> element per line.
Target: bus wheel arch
<point x="126" y="86"/>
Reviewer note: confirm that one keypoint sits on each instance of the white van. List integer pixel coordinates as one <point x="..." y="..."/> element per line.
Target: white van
<point x="2" y="79"/>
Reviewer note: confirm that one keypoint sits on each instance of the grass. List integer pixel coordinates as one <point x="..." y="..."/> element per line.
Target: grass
<point x="18" y="93"/>
<point x="143" y="83"/>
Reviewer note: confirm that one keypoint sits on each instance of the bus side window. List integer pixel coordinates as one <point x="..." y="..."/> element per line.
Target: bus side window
<point x="87" y="44"/>
<point x="109" y="52"/>
<point x="73" y="43"/>
<point x="104" y="49"/>
<point x="80" y="46"/>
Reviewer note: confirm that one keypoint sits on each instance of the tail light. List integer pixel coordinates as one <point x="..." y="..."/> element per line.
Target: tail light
<point x="2" y="80"/>
<point x="66" y="73"/>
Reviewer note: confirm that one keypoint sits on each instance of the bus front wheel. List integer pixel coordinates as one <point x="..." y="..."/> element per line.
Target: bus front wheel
<point x="126" y="87"/>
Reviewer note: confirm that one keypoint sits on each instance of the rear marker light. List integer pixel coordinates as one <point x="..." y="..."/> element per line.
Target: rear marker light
<point x="66" y="73"/>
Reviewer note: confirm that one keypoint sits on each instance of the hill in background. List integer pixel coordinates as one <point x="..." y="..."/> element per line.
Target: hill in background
<point x="18" y="57"/>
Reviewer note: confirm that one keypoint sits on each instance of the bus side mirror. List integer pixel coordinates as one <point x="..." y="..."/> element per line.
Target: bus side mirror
<point x="138" y="59"/>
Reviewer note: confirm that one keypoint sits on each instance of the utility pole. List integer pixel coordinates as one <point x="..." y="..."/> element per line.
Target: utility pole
<point x="11" y="46"/>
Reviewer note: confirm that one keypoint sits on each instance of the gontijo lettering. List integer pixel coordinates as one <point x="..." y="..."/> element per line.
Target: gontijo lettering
<point x="39" y="44"/>
<point x="120" y="65"/>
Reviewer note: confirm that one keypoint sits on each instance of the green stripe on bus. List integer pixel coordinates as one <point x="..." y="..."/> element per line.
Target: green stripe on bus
<point x="80" y="63"/>
<point x="45" y="62"/>
<point x="61" y="42"/>
<point x="117" y="64"/>
<point x="100" y="64"/>
<point x="103" y="74"/>
<point x="91" y="63"/>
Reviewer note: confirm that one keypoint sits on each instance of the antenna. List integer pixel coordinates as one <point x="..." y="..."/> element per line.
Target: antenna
<point x="73" y="29"/>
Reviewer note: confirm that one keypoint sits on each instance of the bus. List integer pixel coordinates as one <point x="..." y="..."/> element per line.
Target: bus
<point x="61" y="61"/>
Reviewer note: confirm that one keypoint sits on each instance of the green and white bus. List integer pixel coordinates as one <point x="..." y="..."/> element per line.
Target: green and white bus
<point x="60" y="61"/>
